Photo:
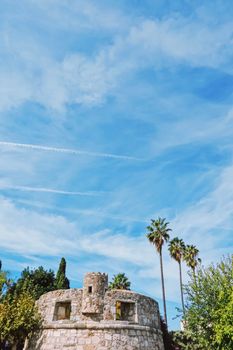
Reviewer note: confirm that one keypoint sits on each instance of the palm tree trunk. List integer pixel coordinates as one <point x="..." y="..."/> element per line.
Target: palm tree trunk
<point x="194" y="278"/>
<point x="163" y="289"/>
<point x="194" y="273"/>
<point x="181" y="289"/>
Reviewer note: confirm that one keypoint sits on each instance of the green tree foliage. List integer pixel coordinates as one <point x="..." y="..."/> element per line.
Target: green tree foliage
<point x="18" y="314"/>
<point x="184" y="341"/>
<point x="120" y="281"/>
<point x="18" y="319"/>
<point x="61" y="281"/>
<point x="158" y="234"/>
<point x="209" y="313"/>
<point x="40" y="281"/>
<point x="224" y="327"/>
<point x="5" y="282"/>
<point x="176" y="249"/>
<point x="36" y="282"/>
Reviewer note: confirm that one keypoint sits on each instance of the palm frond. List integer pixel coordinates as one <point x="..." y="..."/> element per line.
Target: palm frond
<point x="176" y="248"/>
<point x="158" y="233"/>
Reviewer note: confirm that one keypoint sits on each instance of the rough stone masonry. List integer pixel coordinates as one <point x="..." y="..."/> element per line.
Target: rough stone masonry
<point x="96" y="318"/>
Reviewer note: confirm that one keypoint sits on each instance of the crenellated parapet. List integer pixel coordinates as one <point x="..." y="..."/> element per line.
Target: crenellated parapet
<point x="94" y="288"/>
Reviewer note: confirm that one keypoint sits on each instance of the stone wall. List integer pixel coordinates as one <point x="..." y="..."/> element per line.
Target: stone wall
<point x="98" y="337"/>
<point x="47" y="303"/>
<point x="146" y="309"/>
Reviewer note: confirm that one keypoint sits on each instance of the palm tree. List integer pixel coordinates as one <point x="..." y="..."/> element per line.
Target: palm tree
<point x="158" y="234"/>
<point x="176" y="249"/>
<point x="120" y="281"/>
<point x="191" y="257"/>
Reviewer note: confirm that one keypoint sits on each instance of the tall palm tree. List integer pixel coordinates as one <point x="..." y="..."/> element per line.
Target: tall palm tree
<point x="176" y="248"/>
<point x="191" y="257"/>
<point x="158" y="234"/>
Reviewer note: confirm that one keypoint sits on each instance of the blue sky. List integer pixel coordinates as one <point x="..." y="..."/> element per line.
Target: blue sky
<point x="113" y="113"/>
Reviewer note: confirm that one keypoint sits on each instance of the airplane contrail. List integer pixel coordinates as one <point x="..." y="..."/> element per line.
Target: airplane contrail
<point x="66" y="150"/>
<point x="50" y="190"/>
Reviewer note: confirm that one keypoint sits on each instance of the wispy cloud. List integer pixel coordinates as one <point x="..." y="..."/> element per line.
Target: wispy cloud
<point x="88" y="79"/>
<point x="208" y="223"/>
<point x="170" y="38"/>
<point x="99" y="213"/>
<point x="65" y="235"/>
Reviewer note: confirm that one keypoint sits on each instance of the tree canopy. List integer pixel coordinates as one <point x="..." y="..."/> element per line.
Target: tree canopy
<point x="18" y="314"/>
<point x="40" y="281"/>
<point x="5" y="281"/>
<point x="36" y="282"/>
<point x="61" y="281"/>
<point x="209" y="313"/>
<point x="18" y="318"/>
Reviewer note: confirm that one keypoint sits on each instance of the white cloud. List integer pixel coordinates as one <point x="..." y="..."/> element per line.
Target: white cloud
<point x="29" y="232"/>
<point x="77" y="15"/>
<point x="198" y="128"/>
<point x="208" y="223"/>
<point x="15" y="89"/>
<point x="182" y="40"/>
<point x="89" y="78"/>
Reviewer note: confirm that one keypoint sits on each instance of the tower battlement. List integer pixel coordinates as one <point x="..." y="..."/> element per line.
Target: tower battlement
<point x="94" y="287"/>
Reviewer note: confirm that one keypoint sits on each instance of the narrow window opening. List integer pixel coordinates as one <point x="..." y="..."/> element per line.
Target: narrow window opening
<point x="125" y="311"/>
<point x="118" y="310"/>
<point x="89" y="289"/>
<point x="62" y="311"/>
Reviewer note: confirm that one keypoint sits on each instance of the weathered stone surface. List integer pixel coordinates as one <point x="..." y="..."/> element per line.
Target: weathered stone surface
<point x="95" y="285"/>
<point x="98" y="319"/>
<point x="47" y="304"/>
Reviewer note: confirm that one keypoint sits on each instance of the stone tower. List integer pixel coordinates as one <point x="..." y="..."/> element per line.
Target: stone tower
<point x="94" y="288"/>
<point x="97" y="318"/>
